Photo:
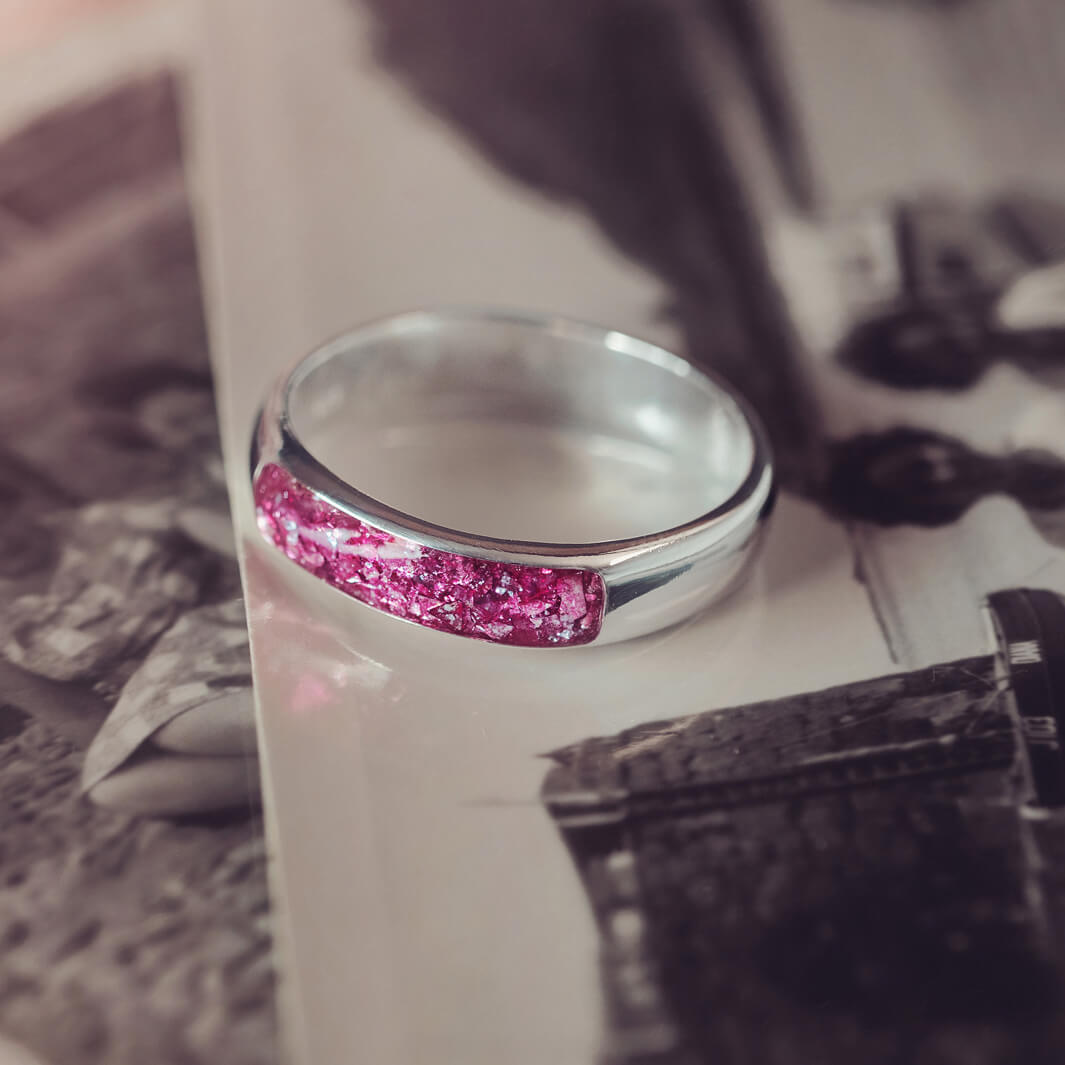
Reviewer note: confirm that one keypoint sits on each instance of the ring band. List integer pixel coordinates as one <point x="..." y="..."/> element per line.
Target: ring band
<point x="454" y="367"/>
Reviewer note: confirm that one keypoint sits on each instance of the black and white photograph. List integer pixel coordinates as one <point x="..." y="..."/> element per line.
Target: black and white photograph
<point x="135" y="913"/>
<point x="535" y="532"/>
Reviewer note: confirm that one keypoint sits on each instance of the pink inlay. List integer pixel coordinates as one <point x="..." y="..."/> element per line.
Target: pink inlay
<point x="503" y="602"/>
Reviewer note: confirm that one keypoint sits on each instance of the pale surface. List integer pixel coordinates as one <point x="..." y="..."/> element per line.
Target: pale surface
<point x="429" y="910"/>
<point x="905" y="98"/>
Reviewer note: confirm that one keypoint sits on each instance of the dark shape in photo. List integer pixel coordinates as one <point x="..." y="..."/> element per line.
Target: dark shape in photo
<point x="955" y="265"/>
<point x="910" y="476"/>
<point x="837" y="876"/>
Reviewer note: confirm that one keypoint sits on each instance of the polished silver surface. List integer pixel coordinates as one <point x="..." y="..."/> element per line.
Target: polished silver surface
<point x="428" y="371"/>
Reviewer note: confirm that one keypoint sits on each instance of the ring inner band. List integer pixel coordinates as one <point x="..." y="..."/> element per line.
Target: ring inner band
<point x="550" y="432"/>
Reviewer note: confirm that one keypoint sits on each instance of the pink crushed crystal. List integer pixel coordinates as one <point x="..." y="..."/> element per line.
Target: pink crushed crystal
<point x="504" y="602"/>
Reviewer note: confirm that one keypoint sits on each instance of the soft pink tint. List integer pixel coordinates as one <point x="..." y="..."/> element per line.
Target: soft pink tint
<point x="26" y="23"/>
<point x="526" y="606"/>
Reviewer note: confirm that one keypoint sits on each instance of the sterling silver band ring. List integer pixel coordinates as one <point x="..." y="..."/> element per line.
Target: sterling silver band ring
<point x="529" y="374"/>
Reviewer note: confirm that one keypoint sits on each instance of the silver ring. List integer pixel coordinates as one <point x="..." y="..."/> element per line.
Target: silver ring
<point x="440" y="369"/>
